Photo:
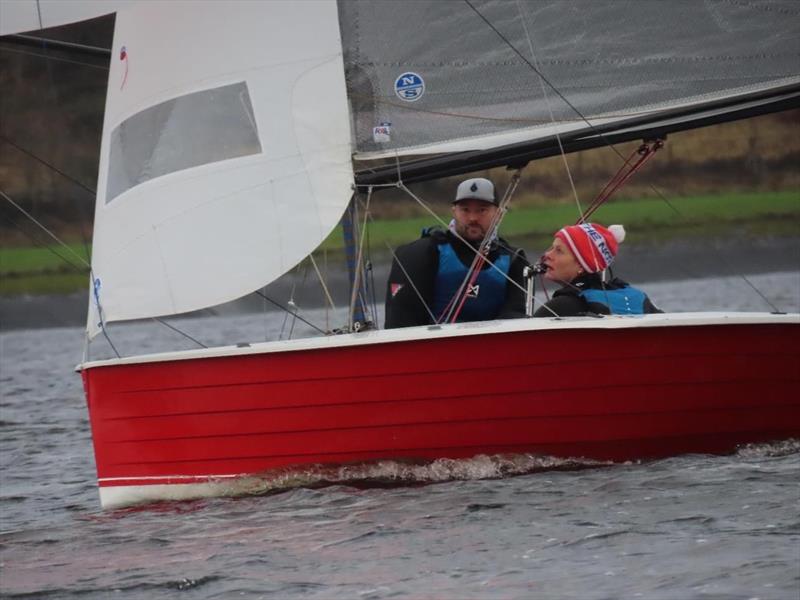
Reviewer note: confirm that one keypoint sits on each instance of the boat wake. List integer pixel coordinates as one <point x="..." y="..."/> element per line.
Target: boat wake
<point x="770" y="450"/>
<point x="390" y="474"/>
<point x="393" y="473"/>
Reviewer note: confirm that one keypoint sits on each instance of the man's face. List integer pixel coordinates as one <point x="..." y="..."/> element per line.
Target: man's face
<point x="473" y="218"/>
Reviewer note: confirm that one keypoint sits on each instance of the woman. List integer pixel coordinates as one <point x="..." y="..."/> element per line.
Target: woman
<point x="576" y="259"/>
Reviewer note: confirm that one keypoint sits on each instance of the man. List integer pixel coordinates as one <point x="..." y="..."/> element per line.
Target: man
<point x="437" y="264"/>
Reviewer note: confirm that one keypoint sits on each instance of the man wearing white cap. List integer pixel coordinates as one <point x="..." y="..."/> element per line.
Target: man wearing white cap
<point x="427" y="273"/>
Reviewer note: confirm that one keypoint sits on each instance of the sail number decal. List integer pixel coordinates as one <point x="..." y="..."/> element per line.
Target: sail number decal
<point x="409" y="87"/>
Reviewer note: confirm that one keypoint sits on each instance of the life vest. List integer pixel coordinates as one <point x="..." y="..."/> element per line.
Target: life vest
<point x="487" y="295"/>
<point x="621" y="301"/>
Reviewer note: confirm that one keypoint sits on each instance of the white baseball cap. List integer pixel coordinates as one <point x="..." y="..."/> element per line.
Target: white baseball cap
<point x="476" y="189"/>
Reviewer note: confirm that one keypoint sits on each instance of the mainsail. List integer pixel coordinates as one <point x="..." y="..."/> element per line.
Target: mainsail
<point x="490" y="74"/>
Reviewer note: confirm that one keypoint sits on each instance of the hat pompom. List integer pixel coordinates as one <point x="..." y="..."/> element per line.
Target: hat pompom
<point x="618" y="231"/>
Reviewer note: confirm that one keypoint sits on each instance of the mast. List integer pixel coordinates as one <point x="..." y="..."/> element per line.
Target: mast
<point x="358" y="312"/>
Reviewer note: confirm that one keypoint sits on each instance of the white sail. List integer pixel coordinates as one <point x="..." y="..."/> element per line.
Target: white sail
<point x="17" y="16"/>
<point x="225" y="156"/>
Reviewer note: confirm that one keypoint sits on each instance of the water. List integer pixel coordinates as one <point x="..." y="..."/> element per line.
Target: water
<point x="687" y="527"/>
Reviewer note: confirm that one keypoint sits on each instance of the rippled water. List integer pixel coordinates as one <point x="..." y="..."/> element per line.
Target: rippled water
<point x="687" y="527"/>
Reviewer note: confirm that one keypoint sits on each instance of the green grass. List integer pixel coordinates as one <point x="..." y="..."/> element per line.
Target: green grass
<point x="640" y="217"/>
<point x="41" y="271"/>
<point x="39" y="284"/>
<point x="49" y="259"/>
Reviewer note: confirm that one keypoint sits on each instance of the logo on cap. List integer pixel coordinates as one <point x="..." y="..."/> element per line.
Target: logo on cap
<point x="473" y="187"/>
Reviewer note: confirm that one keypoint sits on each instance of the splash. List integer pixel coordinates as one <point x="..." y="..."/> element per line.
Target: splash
<point x="770" y="449"/>
<point x="391" y="473"/>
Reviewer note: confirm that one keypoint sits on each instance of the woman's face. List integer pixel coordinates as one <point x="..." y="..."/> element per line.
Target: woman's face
<point x="562" y="266"/>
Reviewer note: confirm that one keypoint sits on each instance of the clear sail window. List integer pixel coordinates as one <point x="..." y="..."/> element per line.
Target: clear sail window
<point x="189" y="131"/>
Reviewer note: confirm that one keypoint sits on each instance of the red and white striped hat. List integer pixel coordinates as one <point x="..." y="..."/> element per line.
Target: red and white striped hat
<point x="593" y="245"/>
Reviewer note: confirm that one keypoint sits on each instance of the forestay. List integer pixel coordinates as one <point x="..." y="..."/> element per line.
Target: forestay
<point x="225" y="155"/>
<point x="440" y="77"/>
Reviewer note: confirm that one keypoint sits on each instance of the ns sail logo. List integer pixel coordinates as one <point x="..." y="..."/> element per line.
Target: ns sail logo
<point x="409" y="87"/>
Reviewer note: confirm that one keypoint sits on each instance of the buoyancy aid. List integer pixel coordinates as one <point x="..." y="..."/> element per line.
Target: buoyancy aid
<point x="487" y="295"/>
<point x="625" y="300"/>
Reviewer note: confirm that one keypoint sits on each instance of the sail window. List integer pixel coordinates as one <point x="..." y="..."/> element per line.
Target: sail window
<point x="188" y="131"/>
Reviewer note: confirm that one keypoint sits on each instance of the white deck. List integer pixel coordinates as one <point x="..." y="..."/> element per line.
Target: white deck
<point x="387" y="336"/>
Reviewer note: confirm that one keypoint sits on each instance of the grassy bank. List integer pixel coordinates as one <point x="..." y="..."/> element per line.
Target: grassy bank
<point x="774" y="211"/>
<point x="45" y="271"/>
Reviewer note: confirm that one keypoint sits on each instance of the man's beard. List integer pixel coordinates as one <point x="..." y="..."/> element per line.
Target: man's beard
<point x="477" y="235"/>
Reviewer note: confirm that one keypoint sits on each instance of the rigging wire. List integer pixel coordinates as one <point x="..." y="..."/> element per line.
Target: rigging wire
<point x="53" y="58"/>
<point x="60" y="44"/>
<point x="460" y="297"/>
<point x="358" y="278"/>
<point x="550" y="111"/>
<point x="543" y="78"/>
<point x="175" y="329"/>
<point x="282" y="307"/>
<point x="422" y="203"/>
<point x="59" y="110"/>
<point x="646" y="151"/>
<point x="366" y="264"/>
<point x="446" y="225"/>
<point x="411" y="281"/>
<point x="584" y="119"/>
<point x="371" y="273"/>
<point x="600" y="134"/>
<point x="40" y="244"/>
<point x="48" y="232"/>
<point x="293" y="309"/>
<point x="48" y="165"/>
<point x="58" y="240"/>
<point x="325" y="289"/>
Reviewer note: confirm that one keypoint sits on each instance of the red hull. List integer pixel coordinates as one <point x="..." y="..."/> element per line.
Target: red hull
<point x="611" y="394"/>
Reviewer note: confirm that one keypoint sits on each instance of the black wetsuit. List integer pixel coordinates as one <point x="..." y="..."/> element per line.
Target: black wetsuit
<point x="420" y="260"/>
<point x="588" y="295"/>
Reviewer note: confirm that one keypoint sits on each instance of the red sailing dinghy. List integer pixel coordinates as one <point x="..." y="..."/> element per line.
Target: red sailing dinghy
<point x="227" y="157"/>
<point x="182" y="425"/>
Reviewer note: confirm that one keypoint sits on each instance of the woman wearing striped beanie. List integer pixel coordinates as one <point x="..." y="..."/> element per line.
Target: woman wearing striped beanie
<point x="578" y="259"/>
